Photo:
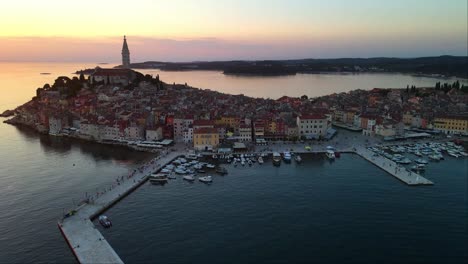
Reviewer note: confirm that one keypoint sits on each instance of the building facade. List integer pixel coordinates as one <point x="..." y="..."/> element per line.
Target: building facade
<point x="452" y="124"/>
<point x="312" y="126"/>
<point x="205" y="138"/>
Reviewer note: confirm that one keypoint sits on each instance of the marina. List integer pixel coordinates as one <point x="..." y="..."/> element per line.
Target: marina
<point x="89" y="245"/>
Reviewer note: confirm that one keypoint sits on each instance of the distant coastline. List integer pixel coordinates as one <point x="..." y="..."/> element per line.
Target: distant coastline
<point x="436" y="67"/>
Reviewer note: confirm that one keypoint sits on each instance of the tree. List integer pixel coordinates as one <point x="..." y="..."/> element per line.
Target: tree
<point x="407" y="89"/>
<point x="82" y="77"/>
<point x="304" y="97"/>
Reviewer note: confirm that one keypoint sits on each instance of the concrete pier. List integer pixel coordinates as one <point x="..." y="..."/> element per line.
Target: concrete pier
<point x="85" y="240"/>
<point x="399" y="172"/>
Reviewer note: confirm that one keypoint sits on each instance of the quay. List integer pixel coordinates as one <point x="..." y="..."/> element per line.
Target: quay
<point x="86" y="242"/>
<point x="399" y="172"/>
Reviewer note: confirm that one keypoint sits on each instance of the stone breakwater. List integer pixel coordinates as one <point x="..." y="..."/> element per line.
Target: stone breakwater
<point x="82" y="236"/>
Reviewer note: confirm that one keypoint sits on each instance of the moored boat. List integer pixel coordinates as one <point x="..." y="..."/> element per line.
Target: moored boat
<point x="287" y="156"/>
<point x="276" y="159"/>
<point x="298" y="158"/>
<point x="260" y="160"/>
<point x="205" y="179"/>
<point x="158" y="178"/>
<point x="104" y="221"/>
<point x="330" y="154"/>
<point x="189" y="178"/>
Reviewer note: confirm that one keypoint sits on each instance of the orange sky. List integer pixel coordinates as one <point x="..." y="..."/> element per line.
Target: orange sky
<point x="54" y="30"/>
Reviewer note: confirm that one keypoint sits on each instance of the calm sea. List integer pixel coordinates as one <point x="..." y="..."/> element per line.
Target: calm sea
<point x="346" y="211"/>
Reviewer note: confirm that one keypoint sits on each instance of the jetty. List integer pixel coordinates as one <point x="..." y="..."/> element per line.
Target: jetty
<point x="86" y="242"/>
<point x="399" y="172"/>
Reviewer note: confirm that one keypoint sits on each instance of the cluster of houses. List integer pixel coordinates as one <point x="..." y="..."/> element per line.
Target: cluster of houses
<point x="112" y="106"/>
<point x="391" y="112"/>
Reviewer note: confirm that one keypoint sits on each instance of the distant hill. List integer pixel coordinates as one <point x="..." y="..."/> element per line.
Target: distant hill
<point x="441" y="66"/>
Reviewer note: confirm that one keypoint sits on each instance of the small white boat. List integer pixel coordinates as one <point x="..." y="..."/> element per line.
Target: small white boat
<point x="158" y="178"/>
<point x="421" y="161"/>
<point x="180" y="171"/>
<point x="276" y="159"/>
<point x="166" y="171"/>
<point x="210" y="166"/>
<point x="260" y="160"/>
<point x="104" y="221"/>
<point x="298" y="158"/>
<point x="287" y="157"/>
<point x="191" y="156"/>
<point x="418" y="167"/>
<point x="189" y="178"/>
<point x="172" y="176"/>
<point x="330" y="154"/>
<point x="205" y="179"/>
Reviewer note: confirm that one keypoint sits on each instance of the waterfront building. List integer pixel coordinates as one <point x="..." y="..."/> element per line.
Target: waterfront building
<point x="154" y="134"/>
<point x="125" y="54"/>
<point x="109" y="132"/>
<point x="205" y="138"/>
<point x="245" y="132"/>
<point x="134" y="133"/>
<point x="452" y="124"/>
<point x="188" y="135"/>
<point x="312" y="126"/>
<point x="55" y="125"/>
<point x="89" y="130"/>
<point x="180" y="126"/>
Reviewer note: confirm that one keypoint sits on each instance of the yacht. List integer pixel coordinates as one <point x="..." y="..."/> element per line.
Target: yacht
<point x="189" y="178"/>
<point x="158" y="178"/>
<point x="171" y="176"/>
<point x="298" y="158"/>
<point x="205" y="179"/>
<point x="330" y="154"/>
<point x="276" y="159"/>
<point x="287" y="157"/>
<point x="210" y="166"/>
<point x="260" y="160"/>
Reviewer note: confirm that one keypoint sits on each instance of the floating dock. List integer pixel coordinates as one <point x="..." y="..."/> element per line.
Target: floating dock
<point x="85" y="240"/>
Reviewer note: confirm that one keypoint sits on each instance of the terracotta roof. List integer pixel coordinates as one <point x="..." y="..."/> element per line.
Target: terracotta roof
<point x="205" y="130"/>
<point x="202" y="122"/>
<point x="312" y="116"/>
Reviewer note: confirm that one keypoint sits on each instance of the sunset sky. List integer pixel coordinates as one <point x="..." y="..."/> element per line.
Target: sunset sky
<point x="176" y="30"/>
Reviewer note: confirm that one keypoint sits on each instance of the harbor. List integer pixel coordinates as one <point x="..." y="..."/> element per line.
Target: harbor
<point x="89" y="245"/>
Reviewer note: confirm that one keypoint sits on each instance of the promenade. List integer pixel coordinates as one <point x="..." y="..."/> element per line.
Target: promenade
<point x="85" y="240"/>
<point x="393" y="168"/>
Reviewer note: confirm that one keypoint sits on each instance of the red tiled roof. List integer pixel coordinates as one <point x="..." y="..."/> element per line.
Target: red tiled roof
<point x="202" y="122"/>
<point x="205" y="130"/>
<point x="312" y="116"/>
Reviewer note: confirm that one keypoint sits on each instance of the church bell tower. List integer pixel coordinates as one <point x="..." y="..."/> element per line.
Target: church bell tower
<point x="125" y="54"/>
